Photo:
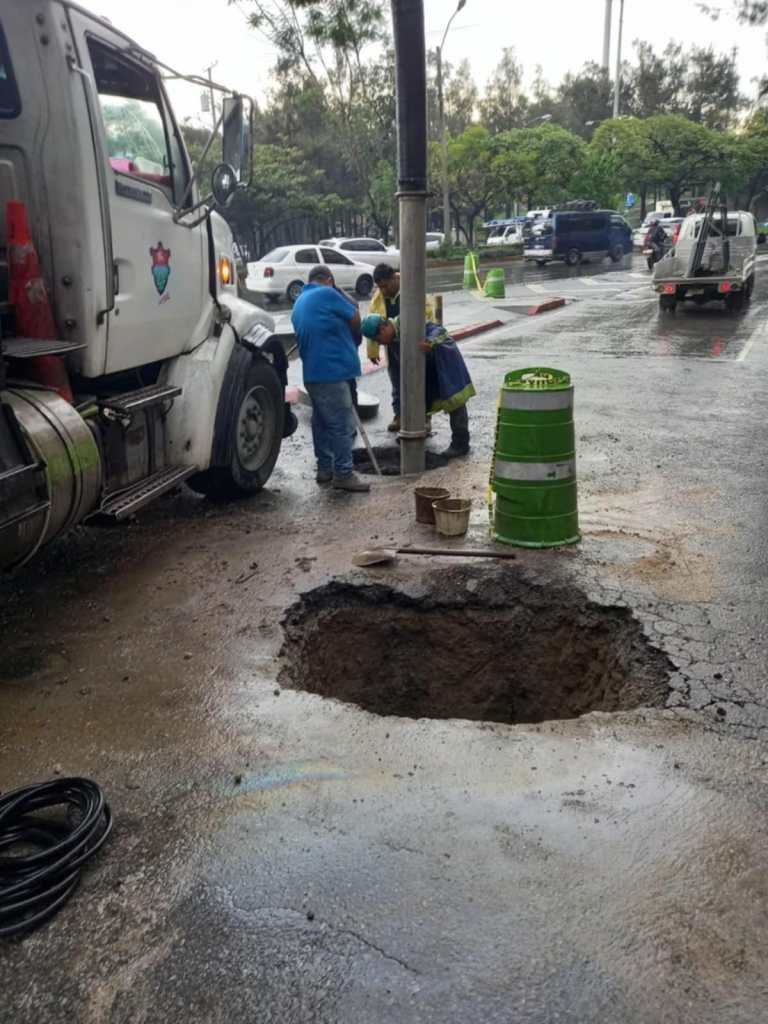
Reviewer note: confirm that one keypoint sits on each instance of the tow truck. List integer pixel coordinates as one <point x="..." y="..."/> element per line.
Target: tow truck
<point x="712" y="259"/>
<point x="128" y="362"/>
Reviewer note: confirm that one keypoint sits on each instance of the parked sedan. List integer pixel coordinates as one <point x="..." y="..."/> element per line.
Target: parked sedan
<point x="285" y="270"/>
<point x="365" y="250"/>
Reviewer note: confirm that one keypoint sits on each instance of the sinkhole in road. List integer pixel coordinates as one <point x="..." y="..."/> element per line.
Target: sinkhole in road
<point x="388" y="458"/>
<point x="481" y="647"/>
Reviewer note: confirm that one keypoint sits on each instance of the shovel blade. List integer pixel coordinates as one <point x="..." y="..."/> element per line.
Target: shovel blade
<point x="374" y="556"/>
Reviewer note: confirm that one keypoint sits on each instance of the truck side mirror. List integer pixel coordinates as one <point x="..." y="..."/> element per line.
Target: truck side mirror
<point x="237" y="142"/>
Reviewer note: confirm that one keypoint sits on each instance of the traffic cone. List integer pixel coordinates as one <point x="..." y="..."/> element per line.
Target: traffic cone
<point x="29" y="298"/>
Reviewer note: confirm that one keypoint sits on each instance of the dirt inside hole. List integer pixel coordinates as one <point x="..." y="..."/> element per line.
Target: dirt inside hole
<point x="388" y="457"/>
<point x="503" y="651"/>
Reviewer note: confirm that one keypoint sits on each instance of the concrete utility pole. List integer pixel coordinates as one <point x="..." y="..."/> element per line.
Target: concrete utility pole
<point x="443" y="133"/>
<point x="212" y="101"/>
<point x="410" y="63"/>
<point x="607" y="36"/>
<point x="617" y="83"/>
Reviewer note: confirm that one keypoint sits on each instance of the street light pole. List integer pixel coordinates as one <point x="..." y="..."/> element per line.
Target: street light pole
<point x="443" y="134"/>
<point x="617" y="83"/>
<point x="607" y="37"/>
<point x="411" y="84"/>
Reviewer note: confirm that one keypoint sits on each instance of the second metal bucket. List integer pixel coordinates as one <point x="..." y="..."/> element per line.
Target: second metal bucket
<point x="425" y="496"/>
<point x="452" y="516"/>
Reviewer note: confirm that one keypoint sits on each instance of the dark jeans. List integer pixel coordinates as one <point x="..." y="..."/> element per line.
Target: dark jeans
<point x="393" y="369"/>
<point x="460" y="429"/>
<point x="333" y="425"/>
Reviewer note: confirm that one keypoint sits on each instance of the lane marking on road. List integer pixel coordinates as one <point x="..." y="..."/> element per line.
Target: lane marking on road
<point x="750" y="342"/>
<point x="541" y="288"/>
<point x="589" y="281"/>
<point x="636" y="273"/>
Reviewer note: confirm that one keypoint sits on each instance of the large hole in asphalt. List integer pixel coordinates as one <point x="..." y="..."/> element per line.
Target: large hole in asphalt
<point x="493" y="648"/>
<point x="388" y="458"/>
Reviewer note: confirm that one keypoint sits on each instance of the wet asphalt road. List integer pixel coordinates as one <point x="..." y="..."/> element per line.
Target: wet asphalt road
<point x="280" y="857"/>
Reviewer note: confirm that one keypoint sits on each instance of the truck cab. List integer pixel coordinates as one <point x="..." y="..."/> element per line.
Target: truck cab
<point x="156" y="371"/>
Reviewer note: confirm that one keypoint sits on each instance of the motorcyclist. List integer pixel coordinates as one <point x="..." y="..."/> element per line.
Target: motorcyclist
<point x="656" y="239"/>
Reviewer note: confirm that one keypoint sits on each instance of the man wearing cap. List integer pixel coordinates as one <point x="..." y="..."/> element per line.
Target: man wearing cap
<point x="324" y="323"/>
<point x="447" y="384"/>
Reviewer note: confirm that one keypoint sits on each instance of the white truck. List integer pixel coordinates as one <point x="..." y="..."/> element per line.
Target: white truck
<point x="170" y="376"/>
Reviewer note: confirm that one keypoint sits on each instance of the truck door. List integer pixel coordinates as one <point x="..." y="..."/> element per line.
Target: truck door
<point x="162" y="299"/>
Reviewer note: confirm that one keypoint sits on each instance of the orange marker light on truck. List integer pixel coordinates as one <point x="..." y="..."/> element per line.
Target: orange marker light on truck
<point x="226" y="275"/>
<point x="724" y="286"/>
<point x="669" y="289"/>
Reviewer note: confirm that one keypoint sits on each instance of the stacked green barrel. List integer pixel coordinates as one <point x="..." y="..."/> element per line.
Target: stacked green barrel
<point x="494" y="284"/>
<point x="533" y="476"/>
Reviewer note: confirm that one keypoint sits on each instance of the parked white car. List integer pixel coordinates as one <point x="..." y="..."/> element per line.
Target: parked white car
<point x="434" y="240"/>
<point x="284" y="271"/>
<point x="365" y="250"/>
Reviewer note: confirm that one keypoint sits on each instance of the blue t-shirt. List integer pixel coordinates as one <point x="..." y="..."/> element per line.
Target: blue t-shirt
<point x="321" y="319"/>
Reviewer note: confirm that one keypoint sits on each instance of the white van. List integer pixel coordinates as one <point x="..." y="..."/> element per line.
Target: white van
<point x="509" y="234"/>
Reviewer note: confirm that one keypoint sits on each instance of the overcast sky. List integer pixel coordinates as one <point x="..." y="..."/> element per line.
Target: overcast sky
<point x="558" y="34"/>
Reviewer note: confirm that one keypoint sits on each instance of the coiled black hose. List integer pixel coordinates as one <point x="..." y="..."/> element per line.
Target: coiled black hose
<point x="34" y="885"/>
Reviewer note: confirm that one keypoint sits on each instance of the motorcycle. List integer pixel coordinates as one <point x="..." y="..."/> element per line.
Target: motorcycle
<point x="653" y="251"/>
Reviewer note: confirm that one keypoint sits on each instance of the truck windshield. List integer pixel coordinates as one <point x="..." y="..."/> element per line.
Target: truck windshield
<point x="10" y="104"/>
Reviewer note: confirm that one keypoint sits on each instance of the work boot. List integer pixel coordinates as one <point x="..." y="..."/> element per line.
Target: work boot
<point x="324" y="476"/>
<point x="350" y="483"/>
<point x="454" y="452"/>
<point x="394" y="425"/>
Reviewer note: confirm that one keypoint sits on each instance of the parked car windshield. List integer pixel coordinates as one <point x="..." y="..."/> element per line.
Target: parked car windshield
<point x="277" y="254"/>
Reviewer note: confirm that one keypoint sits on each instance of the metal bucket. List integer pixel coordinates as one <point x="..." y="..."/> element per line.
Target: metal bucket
<point x="452" y="516"/>
<point x="425" y="496"/>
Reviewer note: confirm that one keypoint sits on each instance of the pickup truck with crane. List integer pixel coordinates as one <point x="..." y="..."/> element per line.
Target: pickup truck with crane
<point x="128" y="362"/>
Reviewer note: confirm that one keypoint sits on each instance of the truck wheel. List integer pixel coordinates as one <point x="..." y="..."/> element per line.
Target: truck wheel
<point x="573" y="257"/>
<point x="617" y="254"/>
<point x="541" y="263"/>
<point x="294" y="290"/>
<point x="248" y="430"/>
<point x="364" y="286"/>
<point x="734" y="302"/>
<point x="667" y="303"/>
<point x="749" y="287"/>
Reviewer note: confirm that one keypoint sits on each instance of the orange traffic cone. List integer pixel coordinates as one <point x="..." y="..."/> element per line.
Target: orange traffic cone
<point x="29" y="298"/>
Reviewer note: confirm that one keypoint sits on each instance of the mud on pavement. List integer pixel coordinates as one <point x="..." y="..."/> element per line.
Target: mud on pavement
<point x="323" y="813"/>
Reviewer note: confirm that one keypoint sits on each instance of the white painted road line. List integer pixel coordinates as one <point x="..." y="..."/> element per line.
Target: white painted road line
<point x="588" y="281"/>
<point x="542" y="289"/>
<point x="750" y="342"/>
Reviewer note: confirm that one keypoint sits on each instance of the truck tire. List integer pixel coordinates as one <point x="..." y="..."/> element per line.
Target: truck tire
<point x="573" y="257"/>
<point x="617" y="253"/>
<point x="248" y="429"/>
<point x="734" y="302"/>
<point x="364" y="286"/>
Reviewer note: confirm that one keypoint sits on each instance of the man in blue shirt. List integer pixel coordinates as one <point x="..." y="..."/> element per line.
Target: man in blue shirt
<point x="324" y="322"/>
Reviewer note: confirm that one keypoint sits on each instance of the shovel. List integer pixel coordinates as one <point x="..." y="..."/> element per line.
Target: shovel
<point x="380" y="556"/>
<point x="366" y="442"/>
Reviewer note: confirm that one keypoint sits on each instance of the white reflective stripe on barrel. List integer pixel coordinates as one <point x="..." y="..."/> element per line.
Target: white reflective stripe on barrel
<point x="535" y="470"/>
<point x="533" y="401"/>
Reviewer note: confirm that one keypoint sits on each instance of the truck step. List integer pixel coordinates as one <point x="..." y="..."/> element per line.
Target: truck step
<point x="27" y="348"/>
<point x="142" y="398"/>
<point x="125" y="503"/>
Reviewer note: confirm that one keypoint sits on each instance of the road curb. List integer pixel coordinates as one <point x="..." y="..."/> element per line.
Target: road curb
<point x="472" y="329"/>
<point x="544" y="307"/>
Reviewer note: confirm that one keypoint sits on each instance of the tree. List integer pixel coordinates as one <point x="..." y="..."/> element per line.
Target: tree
<point x="473" y="182"/>
<point x="460" y="95"/>
<point x="682" y="154"/>
<point x="585" y="98"/>
<point x="712" y="88"/>
<point x="504" y="105"/>
<point x="658" y="80"/>
<point x="555" y="157"/>
<point x="624" y="143"/>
